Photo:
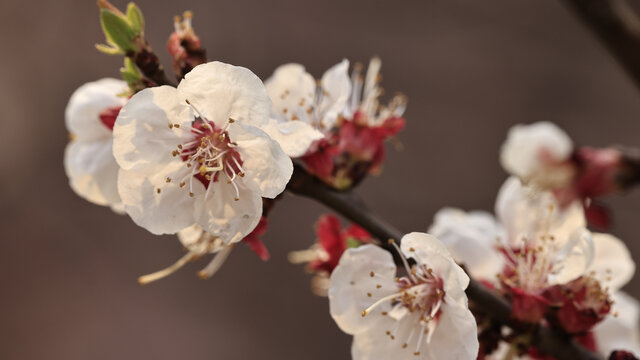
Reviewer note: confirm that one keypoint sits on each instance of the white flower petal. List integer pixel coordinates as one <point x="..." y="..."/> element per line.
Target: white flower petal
<point x="166" y="212"/>
<point x="190" y="235"/>
<point x="219" y="213"/>
<point x="292" y="91"/>
<point x="92" y="171"/>
<point x="266" y="166"/>
<point x="529" y="148"/>
<point x="613" y="264"/>
<point x="141" y="135"/>
<point x="336" y="91"/>
<point x="351" y="282"/>
<point x="118" y="208"/>
<point x="573" y="259"/>
<point x="87" y="102"/>
<point x="471" y="240"/>
<point x="621" y="332"/>
<point x="222" y="91"/>
<point x="525" y="212"/>
<point x="456" y="335"/>
<point x="295" y="137"/>
<point x="428" y="250"/>
<point x="375" y="344"/>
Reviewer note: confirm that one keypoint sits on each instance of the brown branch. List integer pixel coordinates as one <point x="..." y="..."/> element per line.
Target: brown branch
<point x="618" y="28"/>
<point x="347" y="204"/>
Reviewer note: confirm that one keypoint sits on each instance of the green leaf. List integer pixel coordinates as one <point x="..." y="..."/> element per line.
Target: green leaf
<point x="117" y="30"/>
<point x="129" y="78"/>
<point x="130" y="66"/>
<point x="135" y="18"/>
<point x="131" y="75"/>
<point x="109" y="50"/>
<point x="352" y="243"/>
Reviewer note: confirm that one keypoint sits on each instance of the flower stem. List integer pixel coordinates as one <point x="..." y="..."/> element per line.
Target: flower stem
<point x="351" y="207"/>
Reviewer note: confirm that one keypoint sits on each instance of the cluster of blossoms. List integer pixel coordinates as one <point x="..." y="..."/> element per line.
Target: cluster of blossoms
<point x="208" y="158"/>
<point x="554" y="271"/>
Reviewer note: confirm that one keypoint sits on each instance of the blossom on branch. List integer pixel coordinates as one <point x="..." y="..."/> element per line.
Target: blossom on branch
<point x="336" y="124"/>
<point x="354" y="146"/>
<point x="88" y="158"/>
<point x="423" y="314"/>
<point x="543" y="156"/>
<point x="198" y="155"/>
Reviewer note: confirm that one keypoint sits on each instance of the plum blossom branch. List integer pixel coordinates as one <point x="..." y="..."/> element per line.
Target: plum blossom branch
<point x="349" y="205"/>
<point x="617" y="26"/>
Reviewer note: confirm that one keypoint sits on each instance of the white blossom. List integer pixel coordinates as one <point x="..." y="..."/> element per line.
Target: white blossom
<point x="88" y="158"/>
<point x="538" y="154"/>
<point x="197" y="154"/>
<point x="421" y="315"/>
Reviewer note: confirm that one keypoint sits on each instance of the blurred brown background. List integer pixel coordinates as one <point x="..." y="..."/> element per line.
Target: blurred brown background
<point x="471" y="69"/>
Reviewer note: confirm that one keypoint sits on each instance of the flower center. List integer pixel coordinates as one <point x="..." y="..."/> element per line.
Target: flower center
<point x="209" y="154"/>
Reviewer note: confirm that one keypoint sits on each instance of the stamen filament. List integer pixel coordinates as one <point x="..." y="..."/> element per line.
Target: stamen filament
<point x="145" y="279"/>
<point x="216" y="262"/>
<point x="377" y="303"/>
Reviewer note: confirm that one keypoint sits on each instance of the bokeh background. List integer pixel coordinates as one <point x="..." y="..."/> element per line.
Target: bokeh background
<point x="471" y="69"/>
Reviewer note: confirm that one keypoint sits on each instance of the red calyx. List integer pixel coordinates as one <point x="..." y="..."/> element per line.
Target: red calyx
<point x="578" y="305"/>
<point x="108" y="116"/>
<point x="255" y="243"/>
<point x="333" y="240"/>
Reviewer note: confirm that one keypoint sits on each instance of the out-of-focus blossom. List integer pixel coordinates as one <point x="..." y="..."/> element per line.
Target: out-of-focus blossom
<point x="539" y="154"/>
<point x="337" y="123"/>
<point x="88" y="158"/>
<point x="543" y="156"/>
<point x="423" y="314"/>
<point x="331" y="242"/>
<point x="197" y="154"/>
